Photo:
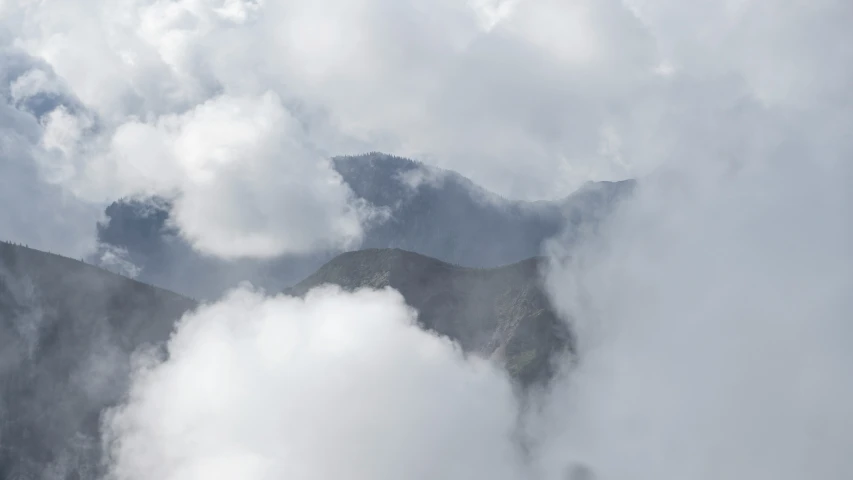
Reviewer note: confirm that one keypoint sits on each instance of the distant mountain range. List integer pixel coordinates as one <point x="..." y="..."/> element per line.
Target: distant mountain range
<point x="434" y="212"/>
<point x="68" y="329"/>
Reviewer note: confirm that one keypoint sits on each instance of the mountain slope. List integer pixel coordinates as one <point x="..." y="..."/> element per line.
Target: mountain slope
<point x="67" y="330"/>
<point x="499" y="312"/>
<point x="434" y="212"/>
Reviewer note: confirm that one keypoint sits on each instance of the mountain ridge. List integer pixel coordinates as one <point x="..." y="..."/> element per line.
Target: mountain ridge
<point x="435" y="212"/>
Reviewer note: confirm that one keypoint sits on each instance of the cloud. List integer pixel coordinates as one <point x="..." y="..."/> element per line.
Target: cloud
<point x="710" y="309"/>
<point x="335" y="385"/>
<point x="115" y="259"/>
<point x="243" y="181"/>
<point x="246" y="186"/>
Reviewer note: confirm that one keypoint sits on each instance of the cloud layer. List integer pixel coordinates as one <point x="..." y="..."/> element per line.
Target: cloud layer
<point x="530" y="98"/>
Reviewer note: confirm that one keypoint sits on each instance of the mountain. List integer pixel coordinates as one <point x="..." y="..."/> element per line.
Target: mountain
<point x="502" y="312"/>
<point x="435" y="212"/>
<point x="67" y="330"/>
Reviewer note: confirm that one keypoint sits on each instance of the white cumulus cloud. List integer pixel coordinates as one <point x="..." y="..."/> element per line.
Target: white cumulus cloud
<point x="245" y="184"/>
<point x="338" y="385"/>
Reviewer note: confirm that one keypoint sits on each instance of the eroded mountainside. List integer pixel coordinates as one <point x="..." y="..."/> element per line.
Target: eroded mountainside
<point x="500" y="312"/>
<point x="67" y="330"/>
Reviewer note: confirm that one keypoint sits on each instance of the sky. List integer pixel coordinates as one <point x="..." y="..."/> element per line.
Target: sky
<point x="711" y="308"/>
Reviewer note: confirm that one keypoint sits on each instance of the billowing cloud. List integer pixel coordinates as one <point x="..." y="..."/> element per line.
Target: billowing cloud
<point x="711" y="309"/>
<point x="245" y="185"/>
<point x="243" y="180"/>
<point x="335" y="385"/>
